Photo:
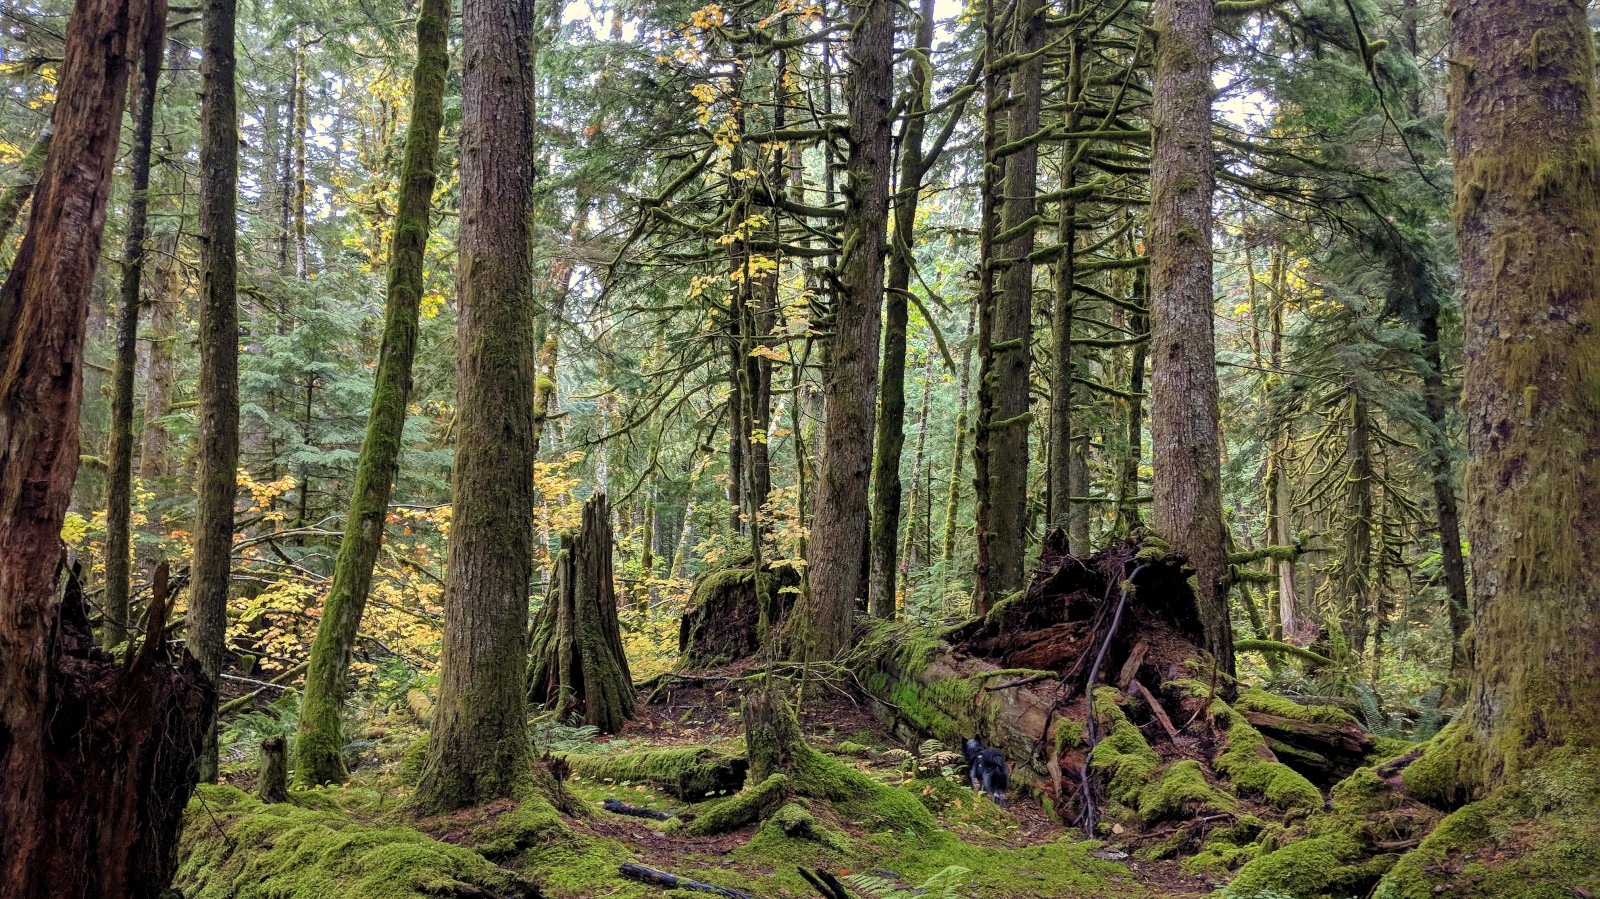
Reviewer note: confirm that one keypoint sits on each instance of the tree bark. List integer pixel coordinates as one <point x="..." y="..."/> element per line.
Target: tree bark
<point x="891" y="424"/>
<point x="1187" y="507"/>
<point x="838" y="543"/>
<point x="479" y="746"/>
<point x="119" y="454"/>
<point x="96" y="757"/>
<point x="1003" y="416"/>
<point x="1522" y="91"/>
<point x="577" y="659"/>
<point x="318" y="753"/>
<point x="217" y="448"/>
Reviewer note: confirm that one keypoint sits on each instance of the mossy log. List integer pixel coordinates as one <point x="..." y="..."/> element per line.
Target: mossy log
<point x="691" y="773"/>
<point x="723" y="621"/>
<point x="235" y="847"/>
<point x="575" y="647"/>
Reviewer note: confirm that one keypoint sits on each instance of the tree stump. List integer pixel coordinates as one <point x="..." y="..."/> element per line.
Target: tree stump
<point x="272" y="779"/>
<point x="723" y="621"/>
<point x="577" y="659"/>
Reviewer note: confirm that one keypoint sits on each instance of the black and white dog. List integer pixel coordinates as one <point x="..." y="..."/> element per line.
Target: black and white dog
<point x="986" y="770"/>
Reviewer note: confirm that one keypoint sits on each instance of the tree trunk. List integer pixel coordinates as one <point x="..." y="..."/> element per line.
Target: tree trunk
<point x="479" y="746"/>
<point x="160" y="364"/>
<point x="17" y="194"/>
<point x="891" y="423"/>
<point x="1355" y="569"/>
<point x="1003" y="416"/>
<point x="119" y="461"/>
<point x="317" y="749"/>
<point x="1187" y="476"/>
<point x="952" y="505"/>
<point x="1441" y="474"/>
<point x="217" y="448"/>
<point x="96" y="756"/>
<point x="1063" y="306"/>
<point x="1522" y="94"/>
<point x="272" y="774"/>
<point x="577" y="659"/>
<point x="838" y="543"/>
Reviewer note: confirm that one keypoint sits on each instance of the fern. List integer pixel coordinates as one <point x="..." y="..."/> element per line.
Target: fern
<point x="943" y="885"/>
<point x="1372" y="715"/>
<point x="548" y="735"/>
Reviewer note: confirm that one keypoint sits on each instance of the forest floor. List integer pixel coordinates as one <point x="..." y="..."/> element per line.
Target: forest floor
<point x="238" y="847"/>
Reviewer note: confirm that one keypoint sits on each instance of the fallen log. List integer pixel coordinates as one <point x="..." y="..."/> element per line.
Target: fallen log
<point x="669" y="881"/>
<point x="618" y="807"/>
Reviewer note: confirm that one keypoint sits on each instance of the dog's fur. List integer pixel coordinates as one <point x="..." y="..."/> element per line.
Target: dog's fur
<point x="986" y="770"/>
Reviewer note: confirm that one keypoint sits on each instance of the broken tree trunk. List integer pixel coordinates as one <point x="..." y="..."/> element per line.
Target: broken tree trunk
<point x="578" y="662"/>
<point x="272" y="778"/>
<point x="97" y="756"/>
<point x="723" y="621"/>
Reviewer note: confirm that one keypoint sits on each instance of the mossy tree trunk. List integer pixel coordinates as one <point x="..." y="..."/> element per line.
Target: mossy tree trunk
<point x="217" y="447"/>
<point x="21" y="190"/>
<point x="119" y="452"/>
<point x="1001" y="440"/>
<point x="837" y="551"/>
<point x="891" y="424"/>
<point x="577" y="659"/>
<point x="1526" y="145"/>
<point x="479" y="746"/>
<point x="97" y="756"/>
<point x="1184" y="441"/>
<point x="318" y="756"/>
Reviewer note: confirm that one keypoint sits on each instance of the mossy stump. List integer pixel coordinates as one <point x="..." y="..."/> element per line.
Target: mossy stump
<point x="724" y="620"/>
<point x="577" y="660"/>
<point x="272" y="782"/>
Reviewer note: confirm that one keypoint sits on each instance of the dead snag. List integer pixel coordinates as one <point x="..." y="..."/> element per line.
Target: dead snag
<point x="272" y="778"/>
<point x="577" y="660"/>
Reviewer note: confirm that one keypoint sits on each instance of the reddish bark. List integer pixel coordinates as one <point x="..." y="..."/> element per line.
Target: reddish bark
<point x="96" y="758"/>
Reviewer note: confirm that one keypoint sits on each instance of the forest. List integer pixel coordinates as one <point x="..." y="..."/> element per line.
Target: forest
<point x="856" y="449"/>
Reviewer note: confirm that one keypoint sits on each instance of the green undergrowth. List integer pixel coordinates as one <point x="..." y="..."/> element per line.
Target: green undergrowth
<point x="235" y="847"/>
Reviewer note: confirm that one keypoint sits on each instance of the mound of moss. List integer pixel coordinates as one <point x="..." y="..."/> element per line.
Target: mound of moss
<point x="235" y="847"/>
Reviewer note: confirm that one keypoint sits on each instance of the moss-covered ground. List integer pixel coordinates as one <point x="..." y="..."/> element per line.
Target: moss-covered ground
<point x="881" y="813"/>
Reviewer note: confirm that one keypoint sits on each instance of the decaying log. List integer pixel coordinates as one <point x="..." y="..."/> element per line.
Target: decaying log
<point x="575" y="647"/>
<point x="618" y="807"/>
<point x="665" y="880"/>
<point x="1324" y="753"/>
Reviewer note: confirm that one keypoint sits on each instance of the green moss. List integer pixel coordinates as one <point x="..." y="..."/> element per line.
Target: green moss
<point x="1258" y="700"/>
<point x="852" y="748"/>
<point x="531" y="824"/>
<point x="1536" y="837"/>
<point x="1122" y="753"/>
<point x="796" y="822"/>
<point x="1183" y="792"/>
<point x="234" y="847"/>
<point x="737" y="811"/>
<point x="1307" y="869"/>
<point x="1253" y="769"/>
<point x="691" y="773"/>
<point x="413" y="759"/>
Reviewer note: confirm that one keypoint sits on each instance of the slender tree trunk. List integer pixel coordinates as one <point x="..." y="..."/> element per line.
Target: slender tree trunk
<point x="838" y="543"/>
<point x="1003" y="409"/>
<point x="318" y="753"/>
<point x="1184" y="441"/>
<point x="1280" y="498"/>
<point x="479" y="746"/>
<point x="916" y="545"/>
<point x="1441" y="473"/>
<point x="96" y="756"/>
<point x="891" y="423"/>
<point x="21" y="190"/>
<point x="1128" y="516"/>
<point x="119" y="462"/>
<point x="958" y="454"/>
<point x="1355" y="569"/>
<point x="217" y="448"/>
<point x="1062" y="308"/>
<point x="1525" y="139"/>
<point x="154" y="461"/>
